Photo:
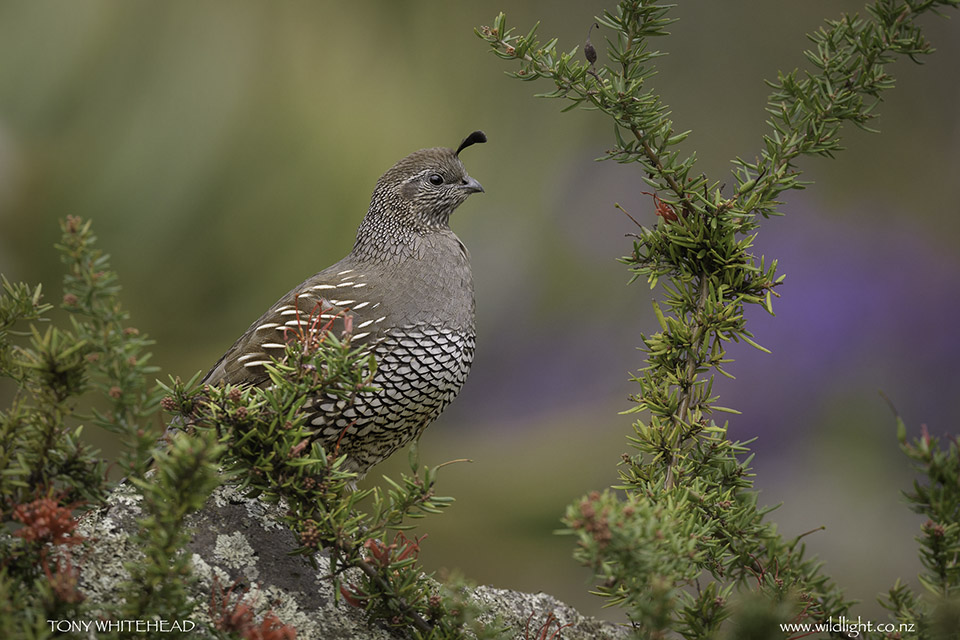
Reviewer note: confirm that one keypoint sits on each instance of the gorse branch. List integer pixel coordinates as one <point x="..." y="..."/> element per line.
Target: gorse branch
<point x="272" y="452"/>
<point x="117" y="363"/>
<point x="808" y="110"/>
<point x="699" y="252"/>
<point x="98" y="371"/>
<point x="185" y="476"/>
<point x="95" y="371"/>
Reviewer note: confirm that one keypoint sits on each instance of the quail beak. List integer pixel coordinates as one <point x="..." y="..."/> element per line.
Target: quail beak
<point x="471" y="185"/>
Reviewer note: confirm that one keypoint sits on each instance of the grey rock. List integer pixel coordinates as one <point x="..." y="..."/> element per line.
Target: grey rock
<point x="239" y="542"/>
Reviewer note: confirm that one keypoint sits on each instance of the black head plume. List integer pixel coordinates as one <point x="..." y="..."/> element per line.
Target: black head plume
<point x="473" y="138"/>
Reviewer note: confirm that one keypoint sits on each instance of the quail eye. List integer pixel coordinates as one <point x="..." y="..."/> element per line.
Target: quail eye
<point x="435" y="179"/>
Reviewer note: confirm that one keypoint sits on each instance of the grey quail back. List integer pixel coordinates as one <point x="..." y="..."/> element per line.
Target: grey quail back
<point x="407" y="288"/>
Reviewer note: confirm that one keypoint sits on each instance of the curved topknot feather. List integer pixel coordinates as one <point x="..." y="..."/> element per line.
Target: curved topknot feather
<point x="474" y="138"/>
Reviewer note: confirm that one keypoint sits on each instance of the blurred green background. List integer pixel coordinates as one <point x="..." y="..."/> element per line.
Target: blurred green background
<point x="227" y="150"/>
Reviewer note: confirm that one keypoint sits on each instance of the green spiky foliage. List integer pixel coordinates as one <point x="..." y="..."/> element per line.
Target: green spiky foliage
<point x="681" y="543"/>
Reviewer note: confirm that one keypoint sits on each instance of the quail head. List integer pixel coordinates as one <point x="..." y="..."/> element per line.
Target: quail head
<point x="407" y="290"/>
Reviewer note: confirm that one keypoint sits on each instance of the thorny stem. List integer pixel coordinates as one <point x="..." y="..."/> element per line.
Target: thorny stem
<point x="733" y="541"/>
<point x="692" y="360"/>
<point x="691" y="371"/>
<point x="649" y="151"/>
<point x="411" y="614"/>
<point x="638" y="134"/>
<point x="655" y="159"/>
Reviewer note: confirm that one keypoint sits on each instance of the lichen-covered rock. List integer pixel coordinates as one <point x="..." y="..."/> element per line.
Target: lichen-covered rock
<point x="237" y="543"/>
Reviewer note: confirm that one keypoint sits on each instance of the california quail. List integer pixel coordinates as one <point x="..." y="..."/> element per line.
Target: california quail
<point x="408" y="290"/>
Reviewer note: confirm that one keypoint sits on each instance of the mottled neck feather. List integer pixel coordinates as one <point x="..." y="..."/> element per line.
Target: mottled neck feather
<point x="392" y="230"/>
